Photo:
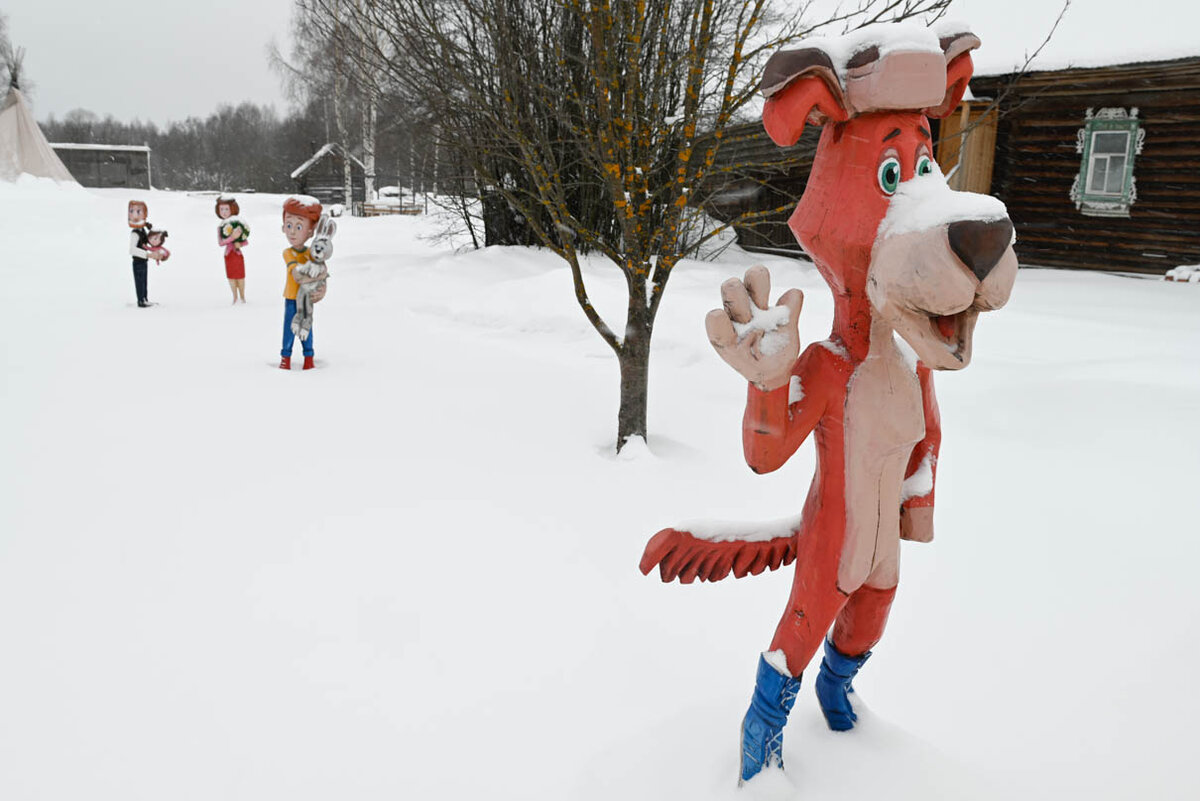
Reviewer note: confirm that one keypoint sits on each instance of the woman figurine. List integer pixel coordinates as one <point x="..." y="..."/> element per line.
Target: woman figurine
<point x="233" y="234"/>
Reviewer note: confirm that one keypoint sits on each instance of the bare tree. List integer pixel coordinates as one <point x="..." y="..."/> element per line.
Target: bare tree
<point x="333" y="59"/>
<point x="6" y="53"/>
<point x="233" y="148"/>
<point x="12" y="63"/>
<point x="370" y="90"/>
<point x="999" y="102"/>
<point x="597" y="121"/>
<point x="320" y="67"/>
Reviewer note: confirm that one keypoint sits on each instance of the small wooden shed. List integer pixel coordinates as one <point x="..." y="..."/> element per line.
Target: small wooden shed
<point x="106" y="165"/>
<point x="322" y="176"/>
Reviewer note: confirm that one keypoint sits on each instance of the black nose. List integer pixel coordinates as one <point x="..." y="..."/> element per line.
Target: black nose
<point x="979" y="245"/>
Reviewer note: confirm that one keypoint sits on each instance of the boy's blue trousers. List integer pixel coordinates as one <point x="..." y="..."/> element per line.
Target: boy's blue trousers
<point x="289" y="339"/>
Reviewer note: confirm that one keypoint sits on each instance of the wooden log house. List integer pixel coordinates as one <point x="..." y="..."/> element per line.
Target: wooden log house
<point x="1098" y="166"/>
<point x="322" y="177"/>
<point x="752" y="175"/>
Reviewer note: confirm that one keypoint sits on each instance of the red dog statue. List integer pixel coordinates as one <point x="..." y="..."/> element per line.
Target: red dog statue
<point x="904" y="255"/>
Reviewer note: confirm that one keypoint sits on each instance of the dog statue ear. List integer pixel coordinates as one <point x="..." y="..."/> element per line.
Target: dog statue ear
<point x="959" y="69"/>
<point x="801" y="88"/>
<point x="958" y="75"/>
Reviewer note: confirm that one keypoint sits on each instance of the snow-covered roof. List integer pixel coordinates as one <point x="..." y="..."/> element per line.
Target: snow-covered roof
<point x="1095" y="61"/>
<point x="320" y="154"/>
<point x="74" y="146"/>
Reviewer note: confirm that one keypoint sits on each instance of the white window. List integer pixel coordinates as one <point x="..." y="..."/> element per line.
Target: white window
<point x="1107" y="173"/>
<point x="1109" y="141"/>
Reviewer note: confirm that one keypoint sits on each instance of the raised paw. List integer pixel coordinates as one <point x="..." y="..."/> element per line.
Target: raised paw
<point x="761" y="342"/>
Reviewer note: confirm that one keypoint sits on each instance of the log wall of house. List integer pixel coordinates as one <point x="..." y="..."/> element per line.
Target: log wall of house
<point x="1036" y="163"/>
<point x="107" y="168"/>
<point x="325" y="181"/>
<point x="753" y="175"/>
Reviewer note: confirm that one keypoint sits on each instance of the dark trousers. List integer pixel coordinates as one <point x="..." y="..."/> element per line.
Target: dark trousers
<point x="139" y="280"/>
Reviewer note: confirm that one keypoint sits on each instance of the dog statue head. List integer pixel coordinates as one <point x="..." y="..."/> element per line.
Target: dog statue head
<point x="887" y="233"/>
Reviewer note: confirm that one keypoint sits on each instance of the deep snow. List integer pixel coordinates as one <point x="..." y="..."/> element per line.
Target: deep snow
<point x="432" y="592"/>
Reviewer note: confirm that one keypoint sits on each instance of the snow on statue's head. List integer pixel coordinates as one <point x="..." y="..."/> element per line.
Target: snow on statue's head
<point x="137" y="213"/>
<point x="227" y="206"/>
<point x="300" y="216"/>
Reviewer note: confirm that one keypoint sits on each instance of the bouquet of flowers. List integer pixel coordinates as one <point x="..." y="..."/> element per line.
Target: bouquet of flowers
<point x="234" y="231"/>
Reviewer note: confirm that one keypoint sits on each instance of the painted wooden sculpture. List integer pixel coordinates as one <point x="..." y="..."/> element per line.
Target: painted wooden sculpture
<point x="904" y="255"/>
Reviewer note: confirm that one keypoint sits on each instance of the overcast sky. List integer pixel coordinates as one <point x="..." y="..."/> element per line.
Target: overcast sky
<point x="164" y="60"/>
<point x="158" y="60"/>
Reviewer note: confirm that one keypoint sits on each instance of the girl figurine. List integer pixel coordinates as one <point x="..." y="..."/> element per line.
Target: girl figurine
<point x="233" y="234"/>
<point x="154" y="244"/>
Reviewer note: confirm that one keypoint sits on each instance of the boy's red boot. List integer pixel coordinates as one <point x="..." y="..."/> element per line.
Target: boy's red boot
<point x="308" y="363"/>
<point x="285" y="363"/>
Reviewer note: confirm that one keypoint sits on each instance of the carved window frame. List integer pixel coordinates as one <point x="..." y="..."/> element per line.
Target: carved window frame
<point x="1095" y="201"/>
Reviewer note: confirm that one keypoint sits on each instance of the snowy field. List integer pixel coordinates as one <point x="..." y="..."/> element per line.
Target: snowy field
<point x="412" y="572"/>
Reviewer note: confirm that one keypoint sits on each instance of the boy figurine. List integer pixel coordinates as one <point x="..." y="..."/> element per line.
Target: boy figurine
<point x="139" y="238"/>
<point x="300" y="216"/>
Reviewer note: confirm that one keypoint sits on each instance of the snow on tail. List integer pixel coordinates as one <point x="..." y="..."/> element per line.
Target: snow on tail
<point x="711" y="551"/>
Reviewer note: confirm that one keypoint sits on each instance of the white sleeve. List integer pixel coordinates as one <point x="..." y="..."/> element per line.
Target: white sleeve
<point x="134" y="250"/>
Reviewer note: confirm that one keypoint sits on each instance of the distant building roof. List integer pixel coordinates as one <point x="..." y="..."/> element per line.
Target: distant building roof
<point x="74" y="146"/>
<point x="331" y="147"/>
<point x="1124" y="59"/>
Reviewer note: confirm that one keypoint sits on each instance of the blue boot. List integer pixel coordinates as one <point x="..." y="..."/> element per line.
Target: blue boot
<point x="834" y="686"/>
<point x="762" y="728"/>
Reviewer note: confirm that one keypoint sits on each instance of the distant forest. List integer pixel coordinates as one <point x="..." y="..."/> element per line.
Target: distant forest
<point x="237" y="148"/>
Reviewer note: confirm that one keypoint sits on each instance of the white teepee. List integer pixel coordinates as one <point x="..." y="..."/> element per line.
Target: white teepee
<point x="23" y="147"/>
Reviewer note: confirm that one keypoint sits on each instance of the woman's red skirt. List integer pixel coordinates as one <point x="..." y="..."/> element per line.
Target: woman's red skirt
<point x="235" y="266"/>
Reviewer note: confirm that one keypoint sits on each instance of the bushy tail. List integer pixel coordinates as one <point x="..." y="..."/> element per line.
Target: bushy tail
<point x="687" y="557"/>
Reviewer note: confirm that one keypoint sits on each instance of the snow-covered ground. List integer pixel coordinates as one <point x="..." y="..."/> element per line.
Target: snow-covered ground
<point x="412" y="573"/>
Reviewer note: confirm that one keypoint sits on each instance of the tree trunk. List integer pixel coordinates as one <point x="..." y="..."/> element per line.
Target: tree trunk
<point x="369" y="145"/>
<point x="369" y="118"/>
<point x="412" y="162"/>
<point x="634" y="359"/>
<point x="344" y="141"/>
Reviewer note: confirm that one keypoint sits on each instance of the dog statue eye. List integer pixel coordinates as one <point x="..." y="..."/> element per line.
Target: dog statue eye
<point x="924" y="165"/>
<point x="889" y="175"/>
